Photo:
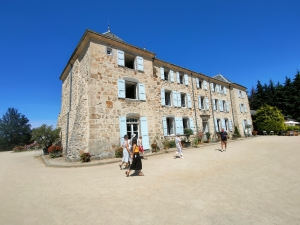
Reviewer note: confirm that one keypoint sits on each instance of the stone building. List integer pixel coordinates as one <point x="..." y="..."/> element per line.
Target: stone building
<point x="111" y="88"/>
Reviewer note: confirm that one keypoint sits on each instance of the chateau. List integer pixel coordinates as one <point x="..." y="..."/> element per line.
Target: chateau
<point x="111" y="88"/>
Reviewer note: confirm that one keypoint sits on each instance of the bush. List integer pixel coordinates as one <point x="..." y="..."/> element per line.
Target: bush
<point x="166" y="144"/>
<point x="119" y="152"/>
<point x="19" y="149"/>
<point x="188" y="132"/>
<point x="55" y="151"/>
<point x="236" y="132"/>
<point x="172" y="144"/>
<point x="85" y="157"/>
<point x="195" y="143"/>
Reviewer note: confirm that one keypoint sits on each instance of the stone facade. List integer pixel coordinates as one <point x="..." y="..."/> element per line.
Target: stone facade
<point x="111" y="88"/>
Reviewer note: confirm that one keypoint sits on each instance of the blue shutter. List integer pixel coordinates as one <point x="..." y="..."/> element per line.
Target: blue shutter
<point x="123" y="128"/>
<point x="175" y="101"/>
<point x="178" y="99"/>
<point x="180" y="126"/>
<point x="230" y="125"/>
<point x="140" y="63"/>
<point x="171" y="75"/>
<point x="221" y="105"/>
<point x="242" y="94"/>
<point x="144" y="131"/>
<point x="245" y="108"/>
<point x="162" y="75"/>
<point x="121" y="88"/>
<point x="192" y="124"/>
<point x="162" y="95"/>
<point x="189" y="101"/>
<point x="197" y="82"/>
<point x="223" y="124"/>
<point x="164" y="121"/>
<point x="227" y="106"/>
<point x="207" y="103"/>
<point x="178" y="77"/>
<point x="217" y="88"/>
<point x="120" y="58"/>
<point x="239" y="93"/>
<point x="205" y="85"/>
<point x="216" y="125"/>
<point x="186" y="79"/>
<point x="214" y="104"/>
<point x="243" y="122"/>
<point x="142" y="93"/>
<point x="177" y="125"/>
<point x="224" y="90"/>
<point x="199" y="101"/>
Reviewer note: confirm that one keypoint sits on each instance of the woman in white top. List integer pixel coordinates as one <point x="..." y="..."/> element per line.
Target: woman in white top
<point x="178" y="146"/>
<point x="126" y="152"/>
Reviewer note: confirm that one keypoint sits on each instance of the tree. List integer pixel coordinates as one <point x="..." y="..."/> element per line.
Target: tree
<point x="296" y="97"/>
<point x="45" y="135"/>
<point x="269" y="118"/>
<point x="14" y="130"/>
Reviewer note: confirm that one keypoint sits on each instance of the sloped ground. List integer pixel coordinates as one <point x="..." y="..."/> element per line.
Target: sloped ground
<point x="255" y="182"/>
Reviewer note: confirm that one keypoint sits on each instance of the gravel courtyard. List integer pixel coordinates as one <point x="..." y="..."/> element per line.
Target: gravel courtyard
<point x="257" y="181"/>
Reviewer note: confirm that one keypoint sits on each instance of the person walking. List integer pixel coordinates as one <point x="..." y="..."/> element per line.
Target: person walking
<point x="126" y="153"/>
<point x="140" y="144"/>
<point x="136" y="161"/>
<point x="179" y="147"/>
<point x="224" y="136"/>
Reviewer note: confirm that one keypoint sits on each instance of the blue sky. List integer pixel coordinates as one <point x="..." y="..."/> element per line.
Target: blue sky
<point x="246" y="40"/>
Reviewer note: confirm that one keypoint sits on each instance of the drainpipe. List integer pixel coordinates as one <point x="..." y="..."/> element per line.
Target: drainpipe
<point x="68" y="114"/>
<point x="231" y="106"/>
<point x="194" y="102"/>
<point x="212" y="107"/>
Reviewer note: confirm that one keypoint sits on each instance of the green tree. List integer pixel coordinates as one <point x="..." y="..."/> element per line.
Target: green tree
<point x="269" y="118"/>
<point x="45" y="135"/>
<point x="14" y="130"/>
<point x="296" y="97"/>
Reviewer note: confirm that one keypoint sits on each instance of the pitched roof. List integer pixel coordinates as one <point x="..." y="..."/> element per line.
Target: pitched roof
<point x="112" y="35"/>
<point x="221" y="78"/>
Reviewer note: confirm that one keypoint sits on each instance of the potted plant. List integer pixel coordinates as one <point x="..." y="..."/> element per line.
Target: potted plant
<point x="195" y="142"/>
<point x="166" y="145"/>
<point x="188" y="132"/>
<point x="208" y="136"/>
<point x="119" y="152"/>
<point x="199" y="136"/>
<point x="154" y="146"/>
<point x="55" y="151"/>
<point x="254" y="132"/>
<point x="85" y="157"/>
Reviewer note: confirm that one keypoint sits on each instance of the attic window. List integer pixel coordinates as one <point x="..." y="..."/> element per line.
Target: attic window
<point x="109" y="51"/>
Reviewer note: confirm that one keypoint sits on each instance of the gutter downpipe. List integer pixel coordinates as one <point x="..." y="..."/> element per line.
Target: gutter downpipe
<point x="212" y="108"/>
<point x="194" y="103"/>
<point x="231" y="108"/>
<point x="68" y="114"/>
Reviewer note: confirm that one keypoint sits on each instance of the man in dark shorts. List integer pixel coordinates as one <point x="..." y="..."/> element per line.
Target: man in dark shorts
<point x="223" y="139"/>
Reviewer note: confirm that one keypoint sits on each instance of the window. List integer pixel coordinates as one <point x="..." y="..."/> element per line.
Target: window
<point x="132" y="127"/>
<point x="183" y="100"/>
<point x="226" y="124"/>
<point x="109" y="51"/>
<point x="170" y="126"/>
<point x="168" y="98"/>
<point x="212" y="87"/>
<point x="131" y="90"/>
<point x="185" y="122"/>
<point x="202" y="102"/>
<point x="130" y="61"/>
<point x="217" y="124"/>
<point x="181" y="78"/>
<point x="215" y="104"/>
<point x="166" y="75"/>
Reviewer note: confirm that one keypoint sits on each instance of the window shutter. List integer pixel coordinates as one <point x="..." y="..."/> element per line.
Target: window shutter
<point x="177" y="125"/>
<point x="123" y="128"/>
<point x="186" y="80"/>
<point x="181" y="126"/>
<point x="223" y="124"/>
<point x="175" y="101"/>
<point x="217" y="88"/>
<point x="239" y="94"/>
<point x="243" y="122"/>
<point x="221" y="106"/>
<point x="227" y="106"/>
<point x="162" y="94"/>
<point x="241" y="108"/>
<point x="207" y="103"/>
<point x="192" y="124"/>
<point x="230" y="125"/>
<point x="249" y="122"/>
<point x="189" y="101"/>
<point x="216" y="125"/>
<point x="162" y="75"/>
<point x="199" y="101"/>
<point x="205" y="85"/>
<point x="197" y="82"/>
<point x="214" y="104"/>
<point x="245" y="108"/>
<point x="178" y="77"/>
<point x="121" y="88"/>
<point x="164" y="121"/>
<point x="224" y="90"/>
<point x="178" y="99"/>
<point x="144" y="131"/>
<point x="120" y="58"/>
<point x="171" y="74"/>
<point x="142" y="94"/>
<point x="212" y="87"/>
<point x="140" y="63"/>
<point x="242" y="94"/>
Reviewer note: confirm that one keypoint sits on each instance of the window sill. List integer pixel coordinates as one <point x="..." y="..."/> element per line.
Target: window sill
<point x="131" y="100"/>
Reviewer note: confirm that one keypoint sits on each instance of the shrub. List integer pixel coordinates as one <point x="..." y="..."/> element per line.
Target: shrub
<point x="119" y="152"/>
<point x="207" y="135"/>
<point x="19" y="149"/>
<point x="85" y="157"/>
<point x="236" y="132"/>
<point x="172" y="144"/>
<point x="55" y="151"/>
<point x="166" y="144"/>
<point x="188" y="132"/>
<point x="200" y="135"/>
<point x="195" y="143"/>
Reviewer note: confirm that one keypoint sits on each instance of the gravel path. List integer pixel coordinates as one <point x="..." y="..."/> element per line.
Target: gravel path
<point x="255" y="182"/>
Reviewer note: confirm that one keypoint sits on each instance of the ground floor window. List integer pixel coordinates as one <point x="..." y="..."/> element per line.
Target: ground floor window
<point x="132" y="127"/>
<point x="170" y="126"/>
<point x="186" y="123"/>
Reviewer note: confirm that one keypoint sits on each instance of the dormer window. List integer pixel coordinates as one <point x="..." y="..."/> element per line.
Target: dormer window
<point x="109" y="51"/>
